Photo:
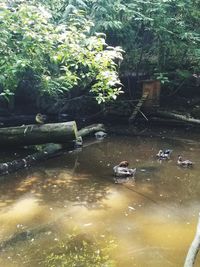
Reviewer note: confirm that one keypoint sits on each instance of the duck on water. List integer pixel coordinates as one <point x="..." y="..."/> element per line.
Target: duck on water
<point x="184" y="163"/>
<point x="164" y="154"/>
<point x="122" y="171"/>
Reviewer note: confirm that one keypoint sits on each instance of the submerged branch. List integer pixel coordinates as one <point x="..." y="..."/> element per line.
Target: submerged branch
<point x="91" y="129"/>
<point x="15" y="165"/>
<point x="172" y="115"/>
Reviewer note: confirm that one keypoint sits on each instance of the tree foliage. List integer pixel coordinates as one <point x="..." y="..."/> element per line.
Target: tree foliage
<point x="61" y="56"/>
<point x="63" y="52"/>
<point x="159" y="36"/>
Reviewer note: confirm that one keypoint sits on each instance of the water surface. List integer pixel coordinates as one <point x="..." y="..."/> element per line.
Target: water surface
<point x="149" y="221"/>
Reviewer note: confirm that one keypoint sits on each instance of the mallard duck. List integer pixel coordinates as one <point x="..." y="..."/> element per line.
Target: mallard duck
<point x="184" y="163"/>
<point x="100" y="135"/>
<point x="40" y="118"/>
<point x="121" y="170"/>
<point x="164" y="154"/>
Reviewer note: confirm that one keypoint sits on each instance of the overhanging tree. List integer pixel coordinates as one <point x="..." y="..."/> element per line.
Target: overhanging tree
<point x="158" y="36"/>
<point x="60" y="56"/>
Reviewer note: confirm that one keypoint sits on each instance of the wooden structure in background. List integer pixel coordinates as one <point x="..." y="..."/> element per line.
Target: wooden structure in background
<point x="152" y="87"/>
<point x="150" y="99"/>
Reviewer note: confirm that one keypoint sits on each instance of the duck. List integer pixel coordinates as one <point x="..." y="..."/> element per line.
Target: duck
<point x="184" y="163"/>
<point x="100" y="135"/>
<point x="121" y="170"/>
<point x="40" y="118"/>
<point x="164" y="154"/>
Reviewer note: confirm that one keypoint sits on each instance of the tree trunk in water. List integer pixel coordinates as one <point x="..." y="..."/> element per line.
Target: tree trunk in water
<point x="194" y="248"/>
<point x="50" y="150"/>
<point x="168" y="121"/>
<point x="12" y="166"/>
<point x="177" y="116"/>
<point x="91" y="129"/>
<point x="39" y="134"/>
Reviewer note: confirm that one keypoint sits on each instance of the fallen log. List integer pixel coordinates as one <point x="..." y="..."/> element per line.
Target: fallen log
<point x="194" y="248"/>
<point x="48" y="151"/>
<point x="38" y="134"/>
<point x="91" y="129"/>
<point x="167" y="121"/>
<point x="176" y="116"/>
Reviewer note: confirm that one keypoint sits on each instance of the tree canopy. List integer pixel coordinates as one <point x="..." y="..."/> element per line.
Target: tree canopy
<point x="159" y="36"/>
<point x="57" y="41"/>
<point x="60" y="56"/>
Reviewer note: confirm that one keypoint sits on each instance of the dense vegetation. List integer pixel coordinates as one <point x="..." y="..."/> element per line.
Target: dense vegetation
<point x="159" y="36"/>
<point x="59" y="56"/>
<point x="56" y="42"/>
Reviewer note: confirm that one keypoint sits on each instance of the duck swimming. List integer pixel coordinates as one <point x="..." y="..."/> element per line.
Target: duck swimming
<point x="121" y="170"/>
<point x="164" y="154"/>
<point x="184" y="163"/>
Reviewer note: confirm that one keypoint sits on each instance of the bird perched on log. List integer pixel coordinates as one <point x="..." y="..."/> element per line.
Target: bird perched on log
<point x="164" y="154"/>
<point x="40" y="118"/>
<point x="184" y="163"/>
<point x="121" y="170"/>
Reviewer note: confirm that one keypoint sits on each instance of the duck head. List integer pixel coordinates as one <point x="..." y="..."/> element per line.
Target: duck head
<point x="124" y="164"/>
<point x="180" y="158"/>
<point x="160" y="153"/>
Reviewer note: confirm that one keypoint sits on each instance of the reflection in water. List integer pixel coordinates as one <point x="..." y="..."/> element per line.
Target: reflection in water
<point x="151" y="220"/>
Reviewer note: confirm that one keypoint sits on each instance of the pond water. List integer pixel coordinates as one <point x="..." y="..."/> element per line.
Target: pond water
<point x="146" y="222"/>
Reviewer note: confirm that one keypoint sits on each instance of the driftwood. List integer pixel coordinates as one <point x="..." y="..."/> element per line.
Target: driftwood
<point x="167" y="121"/>
<point x="172" y="115"/>
<point x="38" y="134"/>
<point x="48" y="151"/>
<point x="194" y="248"/>
<point x="91" y="129"/>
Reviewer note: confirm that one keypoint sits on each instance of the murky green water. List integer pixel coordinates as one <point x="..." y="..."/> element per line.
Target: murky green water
<point x="149" y="222"/>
